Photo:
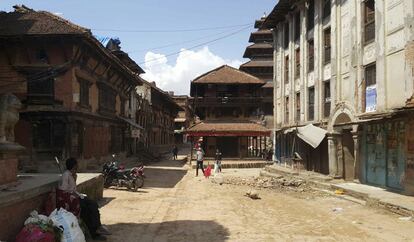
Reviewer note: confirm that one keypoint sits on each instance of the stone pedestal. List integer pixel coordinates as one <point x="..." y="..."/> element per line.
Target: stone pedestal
<point x="8" y="163"/>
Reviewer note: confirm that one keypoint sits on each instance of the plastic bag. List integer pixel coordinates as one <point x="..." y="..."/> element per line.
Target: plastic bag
<point x="36" y="218"/>
<point x="70" y="225"/>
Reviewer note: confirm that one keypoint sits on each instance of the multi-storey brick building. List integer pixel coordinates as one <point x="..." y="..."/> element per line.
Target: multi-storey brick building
<point x="228" y="102"/>
<point x="184" y="118"/>
<point x="346" y="67"/>
<point x="159" y="125"/>
<point x="75" y="91"/>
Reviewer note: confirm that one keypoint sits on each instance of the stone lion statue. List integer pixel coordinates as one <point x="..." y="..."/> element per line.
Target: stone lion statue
<point x="9" y="115"/>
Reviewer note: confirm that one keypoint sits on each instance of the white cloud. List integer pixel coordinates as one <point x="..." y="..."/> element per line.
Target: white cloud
<point x="189" y="65"/>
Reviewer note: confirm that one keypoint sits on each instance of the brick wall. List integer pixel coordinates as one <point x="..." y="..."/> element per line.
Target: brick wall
<point x="8" y="170"/>
<point x="13" y="216"/>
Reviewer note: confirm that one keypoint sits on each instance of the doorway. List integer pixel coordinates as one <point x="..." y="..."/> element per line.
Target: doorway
<point x="348" y="155"/>
<point x="229" y="146"/>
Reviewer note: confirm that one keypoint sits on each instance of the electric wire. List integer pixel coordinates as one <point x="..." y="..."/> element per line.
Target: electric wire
<point x="178" y="43"/>
<point x="196" y="46"/>
<point x="171" y="30"/>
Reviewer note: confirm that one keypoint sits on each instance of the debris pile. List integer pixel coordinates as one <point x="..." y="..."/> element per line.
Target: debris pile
<point x="280" y="183"/>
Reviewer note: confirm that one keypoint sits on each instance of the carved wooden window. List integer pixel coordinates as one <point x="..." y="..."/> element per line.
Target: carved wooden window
<point x="107" y="99"/>
<point x="311" y="103"/>
<point x="311" y="55"/>
<point x="327" y="45"/>
<point x="84" y="92"/>
<point x="327" y="99"/>
<point x="48" y="135"/>
<point x="369" y="21"/>
<point x="311" y="15"/>
<point x="40" y="90"/>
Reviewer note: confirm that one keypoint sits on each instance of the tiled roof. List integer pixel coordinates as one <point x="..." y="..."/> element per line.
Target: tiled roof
<point x="227" y="75"/>
<point x="257" y="63"/>
<point x="30" y="22"/>
<point x="263" y="33"/>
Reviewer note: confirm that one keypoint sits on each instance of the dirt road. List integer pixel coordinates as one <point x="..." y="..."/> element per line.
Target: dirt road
<point x="177" y="206"/>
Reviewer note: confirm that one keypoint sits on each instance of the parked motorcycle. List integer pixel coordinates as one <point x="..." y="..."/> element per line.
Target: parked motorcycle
<point x="116" y="175"/>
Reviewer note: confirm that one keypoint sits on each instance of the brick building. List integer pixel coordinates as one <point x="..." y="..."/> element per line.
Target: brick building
<point x="184" y="119"/>
<point x="75" y="91"/>
<point x="158" y="123"/>
<point x="227" y="101"/>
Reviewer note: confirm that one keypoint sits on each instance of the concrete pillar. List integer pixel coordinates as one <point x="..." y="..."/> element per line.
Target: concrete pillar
<point x="357" y="163"/>
<point x="339" y="156"/>
<point x="333" y="164"/>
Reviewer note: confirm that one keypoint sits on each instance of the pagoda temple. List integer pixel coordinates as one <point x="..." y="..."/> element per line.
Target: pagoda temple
<point x="260" y="53"/>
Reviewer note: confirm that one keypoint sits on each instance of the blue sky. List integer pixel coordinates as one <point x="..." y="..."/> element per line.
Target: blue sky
<point x="162" y="15"/>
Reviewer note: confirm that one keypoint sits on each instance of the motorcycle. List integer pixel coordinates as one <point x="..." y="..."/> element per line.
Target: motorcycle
<point x="116" y="175"/>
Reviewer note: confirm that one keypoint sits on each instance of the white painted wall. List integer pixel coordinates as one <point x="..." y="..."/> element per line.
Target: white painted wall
<point x="394" y="21"/>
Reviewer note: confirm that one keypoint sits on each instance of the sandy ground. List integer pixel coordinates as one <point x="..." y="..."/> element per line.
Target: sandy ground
<point x="174" y="205"/>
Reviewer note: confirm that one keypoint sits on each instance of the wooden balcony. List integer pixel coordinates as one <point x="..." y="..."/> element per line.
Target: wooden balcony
<point x="230" y="101"/>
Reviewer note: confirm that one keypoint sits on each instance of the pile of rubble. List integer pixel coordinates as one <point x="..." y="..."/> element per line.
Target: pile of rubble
<point x="279" y="183"/>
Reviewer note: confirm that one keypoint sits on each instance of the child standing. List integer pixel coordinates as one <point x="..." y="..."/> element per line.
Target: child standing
<point x="217" y="164"/>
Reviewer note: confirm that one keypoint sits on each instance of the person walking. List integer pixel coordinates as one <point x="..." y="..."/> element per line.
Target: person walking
<point x="217" y="165"/>
<point x="200" y="159"/>
<point x="175" y="152"/>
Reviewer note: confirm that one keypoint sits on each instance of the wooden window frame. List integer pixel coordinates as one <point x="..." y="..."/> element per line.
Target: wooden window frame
<point x="369" y="22"/>
<point x="84" y="97"/>
<point x="297" y="63"/>
<point x="327" y="45"/>
<point x="368" y="81"/>
<point x="297" y="116"/>
<point x="286" y="71"/>
<point x="326" y="98"/>
<point x="287" y="109"/>
<point x="311" y="103"/>
<point x="311" y="55"/>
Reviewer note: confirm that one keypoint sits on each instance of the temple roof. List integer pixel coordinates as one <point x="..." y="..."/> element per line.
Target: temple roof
<point x="267" y="33"/>
<point x="227" y="75"/>
<point x="252" y="49"/>
<point x="258" y="63"/>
